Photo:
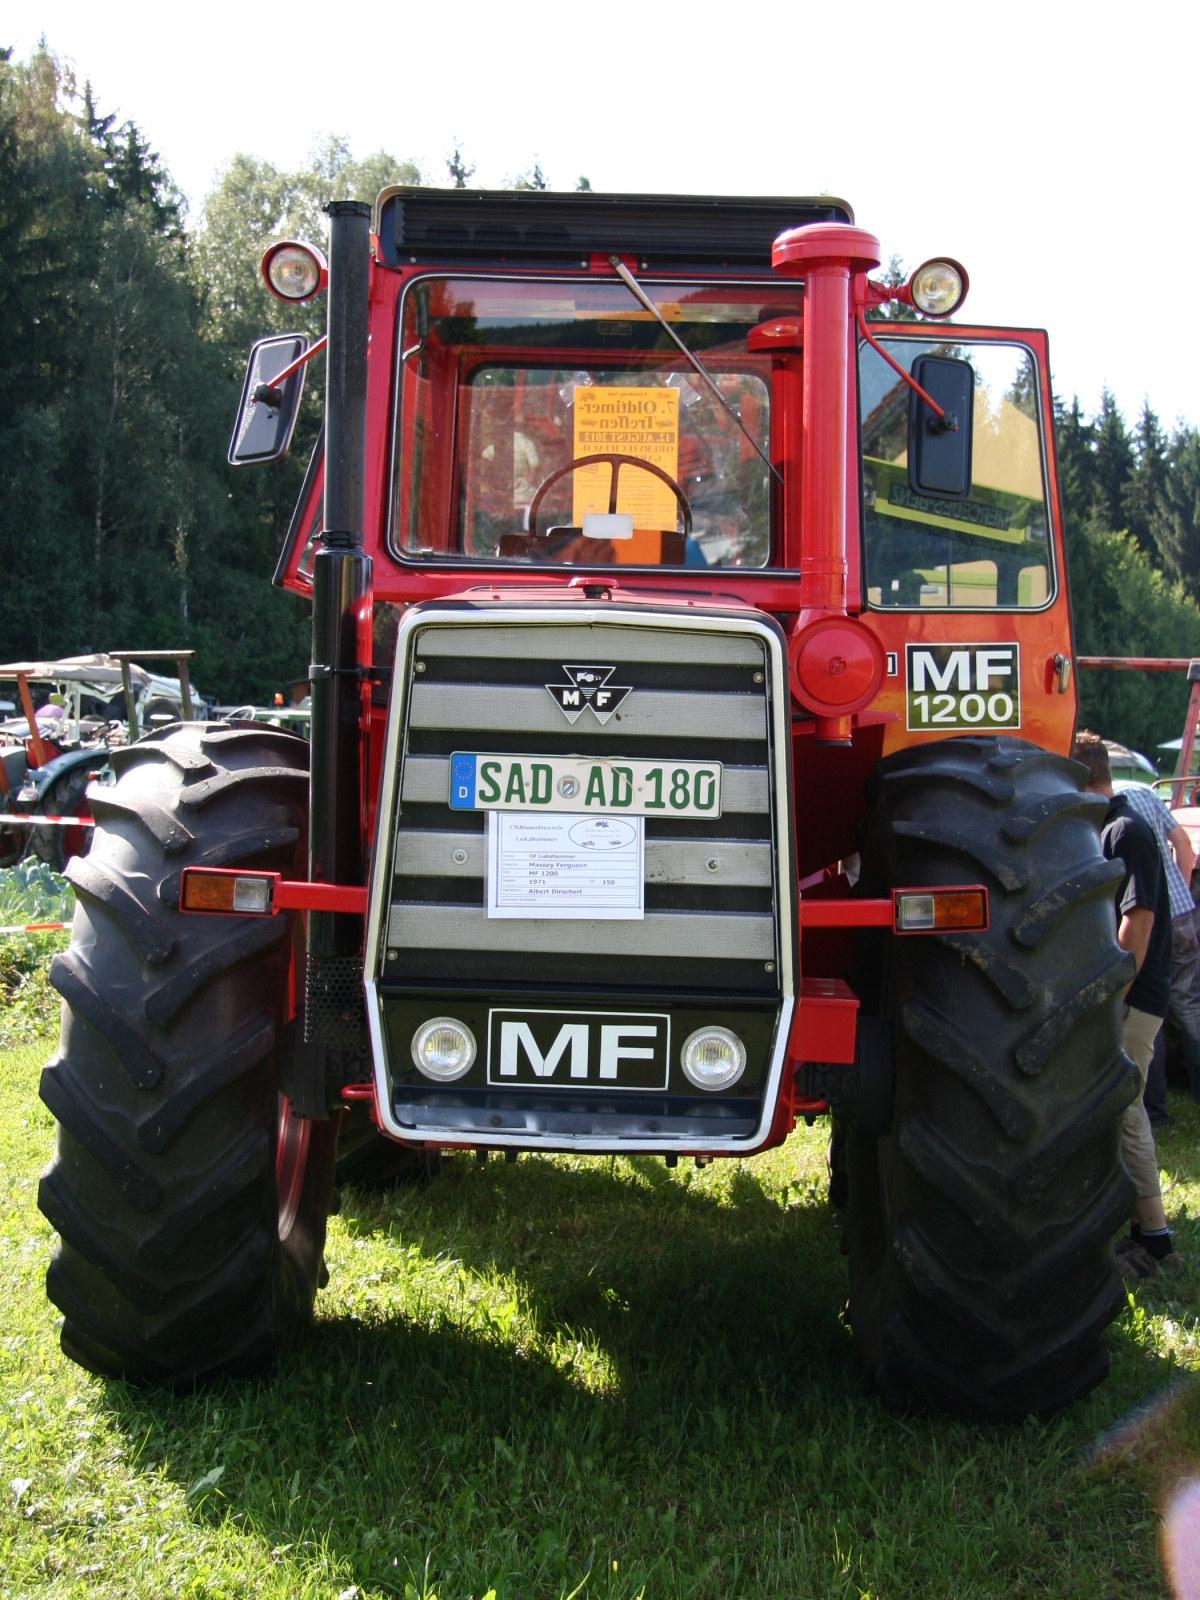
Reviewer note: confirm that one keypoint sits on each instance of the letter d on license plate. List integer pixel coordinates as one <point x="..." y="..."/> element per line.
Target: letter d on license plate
<point x="605" y="786"/>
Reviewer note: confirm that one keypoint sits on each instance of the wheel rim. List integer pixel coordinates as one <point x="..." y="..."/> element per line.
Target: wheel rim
<point x="291" y="1156"/>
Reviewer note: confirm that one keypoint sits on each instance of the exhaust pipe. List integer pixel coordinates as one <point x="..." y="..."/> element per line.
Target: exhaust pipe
<point x="333" y="1013"/>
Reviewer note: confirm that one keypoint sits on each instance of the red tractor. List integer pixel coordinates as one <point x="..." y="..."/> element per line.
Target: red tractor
<point x="691" y="715"/>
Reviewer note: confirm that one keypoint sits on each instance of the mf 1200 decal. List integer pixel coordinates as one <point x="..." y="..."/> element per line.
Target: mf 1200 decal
<point x="962" y="686"/>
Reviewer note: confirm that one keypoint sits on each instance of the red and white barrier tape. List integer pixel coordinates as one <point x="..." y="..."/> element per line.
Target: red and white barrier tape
<point x="35" y="927"/>
<point x="54" y="822"/>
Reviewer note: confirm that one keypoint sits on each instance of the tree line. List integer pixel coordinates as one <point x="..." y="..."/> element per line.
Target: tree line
<point x="124" y="329"/>
<point x="1131" y="501"/>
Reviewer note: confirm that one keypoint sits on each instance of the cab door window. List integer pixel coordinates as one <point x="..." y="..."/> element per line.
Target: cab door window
<point x="987" y="550"/>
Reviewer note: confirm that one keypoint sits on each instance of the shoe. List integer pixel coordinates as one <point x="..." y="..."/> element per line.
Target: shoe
<point x="1133" y="1260"/>
<point x="1171" y="1264"/>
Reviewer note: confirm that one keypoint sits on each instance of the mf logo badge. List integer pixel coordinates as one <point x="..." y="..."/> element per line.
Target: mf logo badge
<point x="963" y="686"/>
<point x="568" y="1049"/>
<point x="588" y="686"/>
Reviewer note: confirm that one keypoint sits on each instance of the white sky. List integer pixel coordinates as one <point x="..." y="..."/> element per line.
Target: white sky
<point x="1049" y="146"/>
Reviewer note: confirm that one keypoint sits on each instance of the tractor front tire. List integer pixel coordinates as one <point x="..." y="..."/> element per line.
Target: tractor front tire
<point x="980" y="1231"/>
<point x="190" y="1203"/>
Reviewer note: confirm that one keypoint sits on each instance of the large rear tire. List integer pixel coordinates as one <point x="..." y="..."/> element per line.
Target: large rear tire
<point x="980" y="1232"/>
<point x="190" y="1203"/>
<point x="55" y="845"/>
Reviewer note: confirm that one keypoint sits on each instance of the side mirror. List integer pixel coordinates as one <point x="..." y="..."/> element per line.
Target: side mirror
<point x="939" y="450"/>
<point x="267" y="414"/>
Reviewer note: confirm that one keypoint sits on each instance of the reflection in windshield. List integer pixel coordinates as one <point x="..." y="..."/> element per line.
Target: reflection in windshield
<point x="986" y="550"/>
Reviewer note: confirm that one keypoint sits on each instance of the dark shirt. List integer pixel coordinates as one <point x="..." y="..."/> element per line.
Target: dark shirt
<point x="1127" y="838"/>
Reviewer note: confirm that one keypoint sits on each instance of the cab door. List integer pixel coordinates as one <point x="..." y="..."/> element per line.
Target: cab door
<point x="966" y="587"/>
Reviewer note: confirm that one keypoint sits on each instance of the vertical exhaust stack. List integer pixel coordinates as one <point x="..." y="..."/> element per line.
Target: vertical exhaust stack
<point x="341" y="587"/>
<point x="837" y="665"/>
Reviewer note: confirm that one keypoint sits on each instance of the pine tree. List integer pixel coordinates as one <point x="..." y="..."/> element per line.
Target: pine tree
<point x="894" y="277"/>
<point x="1114" y="463"/>
<point x="1075" y="439"/>
<point x="533" y="178"/>
<point x="1142" y="496"/>
<point x="456" y="166"/>
<point x="1176" y="523"/>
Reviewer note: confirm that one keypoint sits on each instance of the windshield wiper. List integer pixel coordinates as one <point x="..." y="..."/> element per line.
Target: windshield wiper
<point x="635" y="288"/>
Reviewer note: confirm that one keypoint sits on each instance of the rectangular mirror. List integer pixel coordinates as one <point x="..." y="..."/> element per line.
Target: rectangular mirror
<point x="267" y="414"/>
<point x="939" y="458"/>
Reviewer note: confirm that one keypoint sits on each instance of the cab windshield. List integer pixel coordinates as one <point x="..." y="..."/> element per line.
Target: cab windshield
<point x="546" y="422"/>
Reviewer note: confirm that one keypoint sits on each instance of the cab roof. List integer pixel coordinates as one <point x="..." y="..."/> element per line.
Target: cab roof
<point x="419" y="227"/>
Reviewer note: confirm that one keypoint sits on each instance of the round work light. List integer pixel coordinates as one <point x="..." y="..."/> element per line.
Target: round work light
<point x="939" y="287"/>
<point x="294" y="270"/>
<point x="443" y="1049"/>
<point x="712" y="1058"/>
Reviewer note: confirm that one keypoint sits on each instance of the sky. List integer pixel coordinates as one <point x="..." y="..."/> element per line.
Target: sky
<point x="1050" y="147"/>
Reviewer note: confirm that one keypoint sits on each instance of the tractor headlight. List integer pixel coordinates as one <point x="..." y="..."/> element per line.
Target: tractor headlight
<point x="443" y="1049"/>
<point x="712" y="1058"/>
<point x="938" y="288"/>
<point x="294" y="270"/>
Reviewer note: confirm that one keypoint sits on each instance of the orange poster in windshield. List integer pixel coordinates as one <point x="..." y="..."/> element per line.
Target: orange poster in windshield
<point x="628" y="421"/>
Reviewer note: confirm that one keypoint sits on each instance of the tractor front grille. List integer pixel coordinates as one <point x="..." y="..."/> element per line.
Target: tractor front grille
<point x="714" y="931"/>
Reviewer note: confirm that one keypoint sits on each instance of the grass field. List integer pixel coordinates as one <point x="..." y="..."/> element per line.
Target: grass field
<point x="593" y="1378"/>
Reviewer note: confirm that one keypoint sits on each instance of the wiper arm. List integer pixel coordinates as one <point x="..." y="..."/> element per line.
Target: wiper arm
<point x="694" y="360"/>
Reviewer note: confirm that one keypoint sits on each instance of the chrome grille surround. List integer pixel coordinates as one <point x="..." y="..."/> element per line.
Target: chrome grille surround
<point x="629" y="634"/>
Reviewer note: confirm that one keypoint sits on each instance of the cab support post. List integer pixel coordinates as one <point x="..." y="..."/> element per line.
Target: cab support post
<point x="341" y="587"/>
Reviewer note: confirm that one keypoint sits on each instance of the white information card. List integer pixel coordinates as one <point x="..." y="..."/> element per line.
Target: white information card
<point x="564" y="866"/>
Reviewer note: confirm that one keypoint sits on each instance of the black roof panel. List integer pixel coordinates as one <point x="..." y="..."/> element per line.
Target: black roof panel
<point x="475" y="226"/>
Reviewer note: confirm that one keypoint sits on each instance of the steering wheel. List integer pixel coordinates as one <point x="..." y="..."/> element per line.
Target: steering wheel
<point x="616" y="462"/>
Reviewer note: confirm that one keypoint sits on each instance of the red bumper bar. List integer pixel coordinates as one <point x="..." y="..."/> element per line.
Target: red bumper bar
<point x="293" y="895"/>
<point x="846" y="913"/>
<point x="937" y="908"/>
<point x="230" y="891"/>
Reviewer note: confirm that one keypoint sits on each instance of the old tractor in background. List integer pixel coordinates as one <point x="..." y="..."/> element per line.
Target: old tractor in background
<point x="60" y="740"/>
<point x="691" y="714"/>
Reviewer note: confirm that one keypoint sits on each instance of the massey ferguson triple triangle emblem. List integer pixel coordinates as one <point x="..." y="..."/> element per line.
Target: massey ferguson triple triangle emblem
<point x="589" y="686"/>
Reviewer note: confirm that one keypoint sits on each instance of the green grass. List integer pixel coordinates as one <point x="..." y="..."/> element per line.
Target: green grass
<point x="29" y="892"/>
<point x="590" y="1377"/>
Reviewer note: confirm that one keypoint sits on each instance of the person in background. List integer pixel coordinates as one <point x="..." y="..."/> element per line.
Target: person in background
<point x="1144" y="929"/>
<point x="1178" y="859"/>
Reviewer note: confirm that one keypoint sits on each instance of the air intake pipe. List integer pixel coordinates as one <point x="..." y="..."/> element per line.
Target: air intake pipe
<point x="836" y="663"/>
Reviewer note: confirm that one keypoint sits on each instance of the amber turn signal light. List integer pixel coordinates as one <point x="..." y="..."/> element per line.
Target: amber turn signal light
<point x="956" y="910"/>
<point x="226" y="893"/>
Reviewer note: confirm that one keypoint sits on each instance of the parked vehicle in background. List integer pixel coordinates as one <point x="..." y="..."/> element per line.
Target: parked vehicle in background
<point x="1129" y="766"/>
<point x="60" y="742"/>
<point x="692" y="700"/>
<point x="297" y="716"/>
